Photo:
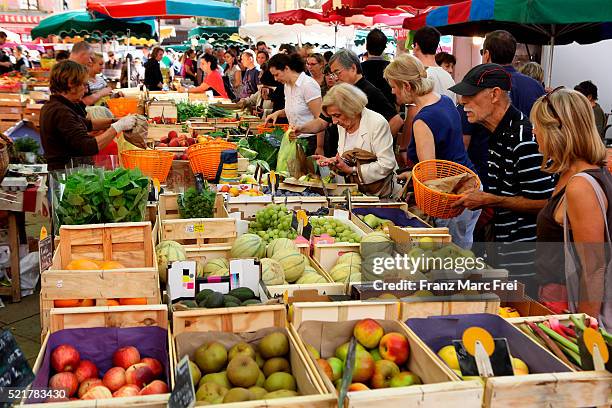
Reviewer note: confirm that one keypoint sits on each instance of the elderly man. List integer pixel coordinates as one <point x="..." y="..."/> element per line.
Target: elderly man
<point x="346" y="68"/>
<point x="82" y="52"/>
<point x="250" y="76"/>
<point x="516" y="189"/>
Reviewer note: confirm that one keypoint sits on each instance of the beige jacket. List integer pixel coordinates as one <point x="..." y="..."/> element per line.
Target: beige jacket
<point x="374" y="136"/>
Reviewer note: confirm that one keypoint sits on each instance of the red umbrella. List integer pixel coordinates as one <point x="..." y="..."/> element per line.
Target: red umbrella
<point x="298" y="16"/>
<point x="164" y="8"/>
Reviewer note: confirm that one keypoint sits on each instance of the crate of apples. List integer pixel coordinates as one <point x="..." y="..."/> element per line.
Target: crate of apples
<point x="131" y="375"/>
<point x="175" y="139"/>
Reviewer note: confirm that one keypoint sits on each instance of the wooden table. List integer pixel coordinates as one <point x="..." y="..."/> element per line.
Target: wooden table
<point x="15" y="289"/>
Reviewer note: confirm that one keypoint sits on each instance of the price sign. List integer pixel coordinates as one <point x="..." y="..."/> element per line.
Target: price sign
<point x="479" y="354"/>
<point x="14" y="368"/>
<point x="45" y="250"/>
<point x="183" y="394"/>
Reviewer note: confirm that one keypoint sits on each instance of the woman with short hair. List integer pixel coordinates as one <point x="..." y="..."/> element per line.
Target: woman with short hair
<point x="64" y="125"/>
<point x="579" y="212"/>
<point x="436" y="131"/>
<point x="365" y="144"/>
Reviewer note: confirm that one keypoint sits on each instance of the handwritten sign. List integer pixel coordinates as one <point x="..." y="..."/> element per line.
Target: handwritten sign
<point x="183" y="394"/>
<point x="45" y="250"/>
<point x="14" y="368"/>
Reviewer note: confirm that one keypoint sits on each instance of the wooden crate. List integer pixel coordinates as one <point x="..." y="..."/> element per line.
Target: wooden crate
<point x="168" y="207"/>
<point x="131" y="244"/>
<point x="157" y="132"/>
<point x="239" y="320"/>
<point x="441" y="388"/>
<point x="12" y="99"/>
<point x="199" y="231"/>
<point x="117" y="316"/>
<point x="32" y="113"/>
<point x="453" y="307"/>
<point x="327" y="254"/>
<point x="343" y="311"/>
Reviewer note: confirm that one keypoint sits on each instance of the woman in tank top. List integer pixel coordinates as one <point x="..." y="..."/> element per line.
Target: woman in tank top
<point x="573" y="249"/>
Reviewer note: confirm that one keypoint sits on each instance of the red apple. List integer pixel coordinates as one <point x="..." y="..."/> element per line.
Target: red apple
<point x="154" y="365"/>
<point x="162" y="145"/>
<point x="184" y="156"/>
<point x="114" y="378"/>
<point x="172" y="134"/>
<point x="85" y="370"/>
<point x="174" y="143"/>
<point x="368" y="332"/>
<point x="64" y="381"/>
<point x="191" y="141"/>
<point x="164" y="140"/>
<point x="125" y="357"/>
<point x="139" y="374"/>
<point x="65" y="358"/>
<point x="384" y="371"/>
<point x="405" y="379"/>
<point x="156" y="387"/>
<point x="87" y="384"/>
<point x="394" y="347"/>
<point x="358" y="387"/>
<point x="97" y="392"/>
<point x="326" y="368"/>
<point x="364" y="367"/>
<point x="128" y="390"/>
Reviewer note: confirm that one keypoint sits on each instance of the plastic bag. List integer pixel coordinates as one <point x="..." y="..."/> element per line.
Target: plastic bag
<point x="286" y="153"/>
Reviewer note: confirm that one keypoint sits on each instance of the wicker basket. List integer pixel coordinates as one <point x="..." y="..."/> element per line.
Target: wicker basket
<point x="152" y="163"/>
<point x="205" y="157"/>
<point x="122" y="106"/>
<point x="432" y="202"/>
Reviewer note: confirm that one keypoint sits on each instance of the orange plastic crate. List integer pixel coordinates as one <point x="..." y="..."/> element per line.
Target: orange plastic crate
<point x="268" y="127"/>
<point x="432" y="202"/>
<point x="205" y="157"/>
<point x="122" y="106"/>
<point x="152" y="163"/>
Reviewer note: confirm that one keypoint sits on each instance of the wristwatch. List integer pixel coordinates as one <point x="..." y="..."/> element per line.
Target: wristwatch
<point x="354" y="171"/>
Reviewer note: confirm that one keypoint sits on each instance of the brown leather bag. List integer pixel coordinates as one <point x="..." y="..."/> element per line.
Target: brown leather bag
<point x="357" y="157"/>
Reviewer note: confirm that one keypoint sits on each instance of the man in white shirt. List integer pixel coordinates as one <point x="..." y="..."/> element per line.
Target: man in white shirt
<point x="426" y="42"/>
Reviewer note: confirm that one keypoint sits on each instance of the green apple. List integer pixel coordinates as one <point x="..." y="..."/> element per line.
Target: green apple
<point x="404" y="379"/>
<point x="337" y="367"/>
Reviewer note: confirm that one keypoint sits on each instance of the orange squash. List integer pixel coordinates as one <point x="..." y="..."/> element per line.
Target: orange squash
<point x="87" y="302"/>
<point x="104" y="265"/>
<point x="133" y="301"/>
<point x="112" y="302"/>
<point x="82" y="265"/>
<point x="66" y="302"/>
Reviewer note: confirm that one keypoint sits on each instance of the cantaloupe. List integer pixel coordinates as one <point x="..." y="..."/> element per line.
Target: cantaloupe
<point x="352" y="258"/>
<point x="168" y="251"/>
<point x="375" y="242"/>
<point x="341" y="272"/>
<point x="309" y="278"/>
<point x="248" y="246"/>
<point x="293" y="264"/>
<point x="278" y="244"/>
<point x="271" y="272"/>
<point x="216" y="267"/>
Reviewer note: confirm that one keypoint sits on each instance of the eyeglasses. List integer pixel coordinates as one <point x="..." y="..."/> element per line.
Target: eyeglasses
<point x="335" y="74"/>
<point x="550" y="105"/>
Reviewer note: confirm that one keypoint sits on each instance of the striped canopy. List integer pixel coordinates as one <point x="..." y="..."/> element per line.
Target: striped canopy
<point x="164" y="8"/>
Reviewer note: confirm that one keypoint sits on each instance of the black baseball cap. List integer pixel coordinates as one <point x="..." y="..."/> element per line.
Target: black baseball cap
<point x="481" y="77"/>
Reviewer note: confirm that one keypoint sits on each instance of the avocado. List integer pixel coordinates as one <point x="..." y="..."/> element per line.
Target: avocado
<point x="231" y="304"/>
<point x="189" y="303"/>
<point x="230" y="299"/>
<point x="251" y="302"/>
<point x="242" y="293"/>
<point x="202" y="295"/>
<point x="214" y="300"/>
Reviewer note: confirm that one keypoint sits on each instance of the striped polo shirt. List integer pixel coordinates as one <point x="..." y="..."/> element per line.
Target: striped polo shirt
<point x="514" y="170"/>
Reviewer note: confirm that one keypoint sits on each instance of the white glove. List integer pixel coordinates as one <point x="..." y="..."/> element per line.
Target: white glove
<point x="125" y="123"/>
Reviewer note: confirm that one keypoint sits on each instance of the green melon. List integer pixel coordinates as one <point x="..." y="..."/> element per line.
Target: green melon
<point x="216" y="267"/>
<point x="308" y="278"/>
<point x="271" y="272"/>
<point x="168" y="251"/>
<point x="352" y="258"/>
<point x="309" y="269"/>
<point x="248" y="246"/>
<point x="375" y="242"/>
<point x="293" y="263"/>
<point x="341" y="272"/>
<point x="279" y="244"/>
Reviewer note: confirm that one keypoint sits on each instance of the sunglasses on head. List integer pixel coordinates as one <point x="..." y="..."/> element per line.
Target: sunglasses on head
<point x="551" y="107"/>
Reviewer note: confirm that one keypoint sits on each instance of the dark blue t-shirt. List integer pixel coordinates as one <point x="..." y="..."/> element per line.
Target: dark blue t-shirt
<point x="445" y="124"/>
<point x="525" y="90"/>
<point x="478" y="149"/>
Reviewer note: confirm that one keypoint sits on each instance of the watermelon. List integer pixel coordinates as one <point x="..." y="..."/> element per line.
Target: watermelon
<point x="278" y="244"/>
<point x="293" y="264"/>
<point x="216" y="267"/>
<point x="248" y="246"/>
<point x="376" y="242"/>
<point x="168" y="251"/>
<point x="271" y="272"/>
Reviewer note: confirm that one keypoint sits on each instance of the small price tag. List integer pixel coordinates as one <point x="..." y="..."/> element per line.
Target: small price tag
<point x="272" y="182"/>
<point x="45" y="250"/>
<point x="183" y="395"/>
<point x="479" y="354"/>
<point x="198" y="228"/>
<point x="594" y="351"/>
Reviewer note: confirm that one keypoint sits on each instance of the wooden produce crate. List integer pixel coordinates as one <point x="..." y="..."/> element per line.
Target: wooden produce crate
<point x="553" y="389"/>
<point x="109" y="317"/>
<point x="165" y="109"/>
<point x="342" y="311"/>
<point x="32" y="113"/>
<point x="440" y="387"/>
<point x="157" y="132"/>
<point x="250" y="324"/>
<point x="131" y="244"/>
<point x="248" y="206"/>
<point x="199" y="231"/>
<point x="168" y="207"/>
<point x="327" y="254"/>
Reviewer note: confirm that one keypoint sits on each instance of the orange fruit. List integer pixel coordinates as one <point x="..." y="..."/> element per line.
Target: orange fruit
<point x="133" y="301"/>
<point x="82" y="264"/>
<point x="110" y="265"/>
<point x="66" y="302"/>
<point x="87" y="302"/>
<point x="112" y="302"/>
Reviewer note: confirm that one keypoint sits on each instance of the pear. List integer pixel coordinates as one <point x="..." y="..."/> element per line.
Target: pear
<point x="274" y="345"/>
<point x="257" y="392"/>
<point x="243" y="371"/>
<point x="211" y="392"/>
<point x="237" y="395"/>
<point x="218" y="378"/>
<point x="276" y="364"/>
<point x="211" y="358"/>
<point x="280" y="381"/>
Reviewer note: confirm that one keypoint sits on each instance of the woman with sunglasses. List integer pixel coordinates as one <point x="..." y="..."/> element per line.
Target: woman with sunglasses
<point x="579" y="276"/>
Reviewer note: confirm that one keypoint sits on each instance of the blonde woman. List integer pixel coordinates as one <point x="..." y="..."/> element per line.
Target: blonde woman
<point x="436" y="131"/>
<point x="579" y="212"/>
<point x="365" y="144"/>
<point x="533" y="70"/>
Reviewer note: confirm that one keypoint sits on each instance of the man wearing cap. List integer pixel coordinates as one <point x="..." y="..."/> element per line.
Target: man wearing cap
<point x="515" y="187"/>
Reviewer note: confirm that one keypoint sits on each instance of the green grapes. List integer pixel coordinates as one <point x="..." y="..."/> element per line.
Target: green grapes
<point x="334" y="228"/>
<point x="274" y="221"/>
